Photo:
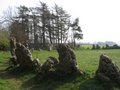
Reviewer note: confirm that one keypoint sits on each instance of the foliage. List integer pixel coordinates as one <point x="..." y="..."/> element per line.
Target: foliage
<point x="76" y="30"/>
<point x="4" y="38"/>
<point x="93" y="47"/>
<point x="112" y="47"/>
<point x="50" y="25"/>
<point x="96" y="46"/>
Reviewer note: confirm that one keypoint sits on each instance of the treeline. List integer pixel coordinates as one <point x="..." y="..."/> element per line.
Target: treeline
<point x="97" y="47"/>
<point x="105" y="47"/>
<point x="42" y="25"/>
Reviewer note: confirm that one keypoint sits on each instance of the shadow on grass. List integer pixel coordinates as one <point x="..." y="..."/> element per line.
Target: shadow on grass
<point x="14" y="73"/>
<point x="52" y="82"/>
<point x="93" y="84"/>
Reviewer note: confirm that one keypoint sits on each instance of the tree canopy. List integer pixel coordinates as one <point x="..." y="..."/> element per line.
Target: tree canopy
<point x="50" y="25"/>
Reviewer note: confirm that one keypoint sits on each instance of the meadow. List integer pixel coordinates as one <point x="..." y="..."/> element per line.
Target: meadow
<point x="87" y="60"/>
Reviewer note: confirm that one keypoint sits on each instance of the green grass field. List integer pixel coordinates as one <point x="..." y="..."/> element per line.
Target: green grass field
<point x="87" y="60"/>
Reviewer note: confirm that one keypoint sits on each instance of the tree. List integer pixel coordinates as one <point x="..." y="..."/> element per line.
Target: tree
<point x="97" y="46"/>
<point x="17" y="31"/>
<point x="107" y="46"/>
<point x="34" y="28"/>
<point x="43" y="12"/>
<point x="7" y="17"/>
<point x="93" y="46"/>
<point x="62" y="24"/>
<point x="45" y="24"/>
<point x="76" y="30"/>
<point x="22" y="18"/>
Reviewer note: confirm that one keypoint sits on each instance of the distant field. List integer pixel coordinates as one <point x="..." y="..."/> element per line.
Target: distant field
<point x="87" y="60"/>
<point x="86" y="46"/>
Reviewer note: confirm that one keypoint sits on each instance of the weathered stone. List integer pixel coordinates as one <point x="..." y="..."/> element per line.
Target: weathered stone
<point x="37" y="65"/>
<point x="24" y="57"/>
<point x="67" y="60"/>
<point x="13" y="61"/>
<point x="107" y="70"/>
<point x="55" y="61"/>
<point x="36" y="62"/>
<point x="12" y="46"/>
<point x="49" y="64"/>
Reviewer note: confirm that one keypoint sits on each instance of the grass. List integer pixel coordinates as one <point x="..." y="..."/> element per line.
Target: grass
<point x="87" y="60"/>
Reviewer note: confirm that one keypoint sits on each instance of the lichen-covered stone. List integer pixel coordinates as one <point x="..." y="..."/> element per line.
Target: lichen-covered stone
<point x="67" y="60"/>
<point x="107" y="70"/>
<point x="24" y="56"/>
<point x="49" y="64"/>
<point x="12" y="46"/>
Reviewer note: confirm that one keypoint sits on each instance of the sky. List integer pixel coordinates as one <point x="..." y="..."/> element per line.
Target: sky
<point x="99" y="19"/>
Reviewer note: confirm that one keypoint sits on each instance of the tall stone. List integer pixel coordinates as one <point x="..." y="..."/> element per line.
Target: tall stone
<point x="12" y="46"/>
<point x="67" y="60"/>
<point x="24" y="56"/>
<point x="107" y="70"/>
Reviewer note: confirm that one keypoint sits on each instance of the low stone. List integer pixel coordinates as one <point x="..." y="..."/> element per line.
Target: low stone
<point x="37" y="65"/>
<point x="49" y="64"/>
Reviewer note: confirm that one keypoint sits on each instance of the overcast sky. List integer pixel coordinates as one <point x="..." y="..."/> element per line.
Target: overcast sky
<point x="99" y="19"/>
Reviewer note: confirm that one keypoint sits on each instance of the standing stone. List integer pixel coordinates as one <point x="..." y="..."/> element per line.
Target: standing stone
<point x="12" y="46"/>
<point x="67" y="60"/>
<point x="107" y="70"/>
<point x="24" y="57"/>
